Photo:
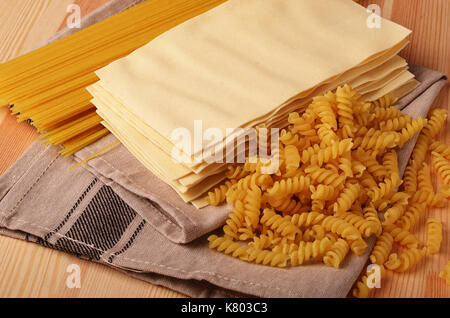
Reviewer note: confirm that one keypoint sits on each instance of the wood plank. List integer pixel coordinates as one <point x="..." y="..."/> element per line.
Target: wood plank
<point x="430" y="47"/>
<point x="28" y="24"/>
<point x="86" y="6"/>
<point x="31" y="270"/>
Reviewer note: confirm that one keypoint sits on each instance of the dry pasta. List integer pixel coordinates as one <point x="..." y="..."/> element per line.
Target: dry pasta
<point x="445" y="274"/>
<point x="336" y="186"/>
<point x="434" y="240"/>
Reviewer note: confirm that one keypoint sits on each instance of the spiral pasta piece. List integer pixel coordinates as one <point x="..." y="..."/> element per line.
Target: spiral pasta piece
<point x="303" y="122"/>
<point x="394" y="213"/>
<point x="252" y="204"/>
<point x="372" y="165"/>
<point x="405" y="261"/>
<point x="344" y="99"/>
<point x="357" y="167"/>
<point x="322" y="107"/>
<point x="279" y="224"/>
<point x="382" y="249"/>
<point x="445" y="274"/>
<point x="316" y="232"/>
<point x="358" y="247"/>
<point x="292" y="159"/>
<point x="384" y="189"/>
<point x="390" y="161"/>
<point x="346" y="198"/>
<point x="285" y="248"/>
<point x="336" y="254"/>
<point x="431" y="199"/>
<point x="286" y="205"/>
<point x="228" y="246"/>
<point x="377" y="140"/>
<point x="326" y="135"/>
<point x="441" y="149"/>
<point x="307" y="219"/>
<point x="324" y="176"/>
<point x="395" y="124"/>
<point x="437" y="119"/>
<point x="234" y="194"/>
<point x="235" y="220"/>
<point x="424" y="180"/>
<point x="401" y="236"/>
<point x="434" y="238"/>
<point x="289" y="186"/>
<point x="236" y="172"/>
<point x="371" y="215"/>
<point x="266" y="240"/>
<point x="341" y="227"/>
<point x="288" y="138"/>
<point x="364" y="226"/>
<point x="411" y="129"/>
<point x="442" y="166"/>
<point x="265" y="257"/>
<point x="309" y="250"/>
<point x="410" y="179"/>
<point x="385" y="101"/>
<point x="329" y="153"/>
<point x="218" y="195"/>
<point x="322" y="192"/>
<point x="383" y="114"/>
<point x="411" y="217"/>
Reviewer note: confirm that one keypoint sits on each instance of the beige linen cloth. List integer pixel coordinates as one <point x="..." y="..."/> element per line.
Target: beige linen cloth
<point x="112" y="210"/>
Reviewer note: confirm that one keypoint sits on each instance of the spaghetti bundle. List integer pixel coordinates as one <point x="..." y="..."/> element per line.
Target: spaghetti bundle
<point x="47" y="86"/>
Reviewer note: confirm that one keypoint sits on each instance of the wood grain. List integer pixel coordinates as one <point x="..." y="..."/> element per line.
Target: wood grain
<point x="29" y="270"/>
<point x="430" y="47"/>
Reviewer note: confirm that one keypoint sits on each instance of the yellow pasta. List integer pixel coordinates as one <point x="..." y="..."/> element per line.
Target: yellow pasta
<point x="445" y="274"/>
<point x="322" y="106"/>
<point x="401" y="236"/>
<point x="411" y="216"/>
<point x="377" y="140"/>
<point x="347" y="197"/>
<point x="410" y="130"/>
<point x="228" y="246"/>
<point x="336" y="254"/>
<point x="344" y="99"/>
<point x="396" y="124"/>
<point x="442" y="166"/>
<point x="405" y="261"/>
<point x="434" y="239"/>
<point x="292" y="158"/>
<point x="289" y="186"/>
<point x="265" y="257"/>
<point x="441" y="149"/>
<point x="218" y="196"/>
<point x="382" y="249"/>
<point x="279" y="224"/>
<point x="341" y="227"/>
<point x="338" y="175"/>
<point x="385" y="101"/>
<point x="309" y="250"/>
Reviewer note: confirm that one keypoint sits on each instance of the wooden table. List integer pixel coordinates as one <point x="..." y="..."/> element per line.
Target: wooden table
<point x="29" y="270"/>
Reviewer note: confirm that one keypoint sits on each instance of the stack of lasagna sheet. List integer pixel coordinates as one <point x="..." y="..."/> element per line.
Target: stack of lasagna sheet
<point x="238" y="66"/>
